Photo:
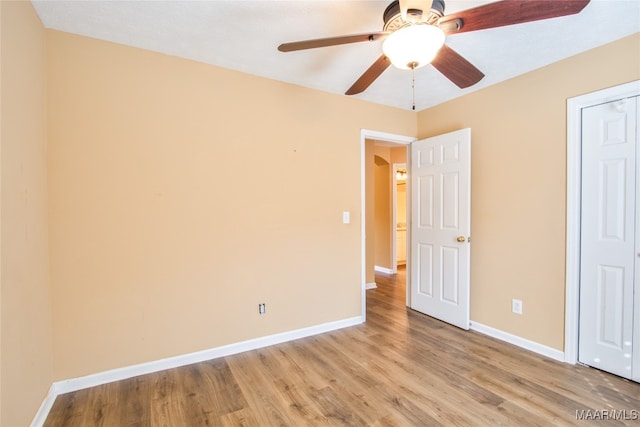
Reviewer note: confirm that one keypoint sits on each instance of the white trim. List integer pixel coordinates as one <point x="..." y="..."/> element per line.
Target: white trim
<point x="45" y="407"/>
<point x="379" y="136"/>
<point x="74" y="384"/>
<point x="372" y="285"/>
<point x="518" y="341"/>
<point x="384" y="270"/>
<point x="199" y="356"/>
<point x="574" y="154"/>
<point x="384" y="136"/>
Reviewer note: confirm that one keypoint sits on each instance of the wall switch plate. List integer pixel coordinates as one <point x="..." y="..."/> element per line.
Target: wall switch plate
<point x="516" y="306"/>
<point x="262" y="308"/>
<point x="346" y="217"/>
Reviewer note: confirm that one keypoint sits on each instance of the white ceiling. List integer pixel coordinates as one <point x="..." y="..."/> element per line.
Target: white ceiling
<point x="244" y="35"/>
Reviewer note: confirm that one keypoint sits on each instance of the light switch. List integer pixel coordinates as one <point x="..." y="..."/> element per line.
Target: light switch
<point x="346" y="217"/>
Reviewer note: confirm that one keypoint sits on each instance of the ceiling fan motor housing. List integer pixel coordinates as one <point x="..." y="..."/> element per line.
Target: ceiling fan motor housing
<point x="392" y="16"/>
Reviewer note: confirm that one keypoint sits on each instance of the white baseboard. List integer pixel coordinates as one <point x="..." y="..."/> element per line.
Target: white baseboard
<point x="45" y="407"/>
<point x="371" y="285"/>
<point x="383" y="269"/>
<point x="74" y="384"/>
<point x="520" y="342"/>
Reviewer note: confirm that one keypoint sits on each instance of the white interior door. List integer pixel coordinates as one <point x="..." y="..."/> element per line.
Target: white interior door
<point x="440" y="226"/>
<point x="609" y="239"/>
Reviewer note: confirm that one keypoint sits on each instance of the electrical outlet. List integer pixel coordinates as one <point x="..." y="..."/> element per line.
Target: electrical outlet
<point x="262" y="308"/>
<point x="516" y="306"/>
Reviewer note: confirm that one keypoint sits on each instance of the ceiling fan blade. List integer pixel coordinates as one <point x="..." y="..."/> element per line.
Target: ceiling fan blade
<point x="332" y="41"/>
<point x="369" y="76"/>
<point x="457" y="69"/>
<point x="510" y="12"/>
<point x="422" y="5"/>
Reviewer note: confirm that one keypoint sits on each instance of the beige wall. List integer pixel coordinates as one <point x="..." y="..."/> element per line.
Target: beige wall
<point x="26" y="335"/>
<point x="182" y="195"/>
<point x="382" y="212"/>
<point x="1" y="137"/>
<point x="370" y="243"/>
<point x="518" y="131"/>
<point x="398" y="154"/>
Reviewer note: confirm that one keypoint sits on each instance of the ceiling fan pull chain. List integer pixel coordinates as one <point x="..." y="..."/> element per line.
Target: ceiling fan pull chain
<point x="413" y="87"/>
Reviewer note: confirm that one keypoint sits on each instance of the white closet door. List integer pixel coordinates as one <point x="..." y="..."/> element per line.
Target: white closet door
<point x="608" y="237"/>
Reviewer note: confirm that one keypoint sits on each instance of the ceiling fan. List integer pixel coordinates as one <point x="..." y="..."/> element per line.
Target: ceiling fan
<point x="414" y="33"/>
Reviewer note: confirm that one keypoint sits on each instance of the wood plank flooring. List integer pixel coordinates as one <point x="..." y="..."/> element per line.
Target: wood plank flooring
<point x="400" y="368"/>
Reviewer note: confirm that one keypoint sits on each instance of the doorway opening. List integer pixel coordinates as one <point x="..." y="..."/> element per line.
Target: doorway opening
<point x="389" y="149"/>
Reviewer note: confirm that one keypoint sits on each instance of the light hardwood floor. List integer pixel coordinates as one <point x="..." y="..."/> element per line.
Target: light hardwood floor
<point x="400" y="368"/>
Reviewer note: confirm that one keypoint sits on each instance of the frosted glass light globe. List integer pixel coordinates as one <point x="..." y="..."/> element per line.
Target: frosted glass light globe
<point x="413" y="46"/>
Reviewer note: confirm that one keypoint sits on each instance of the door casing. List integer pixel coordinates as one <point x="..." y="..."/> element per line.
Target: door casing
<point x="574" y="167"/>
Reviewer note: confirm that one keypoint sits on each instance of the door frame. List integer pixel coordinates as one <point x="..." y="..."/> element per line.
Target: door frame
<point x="394" y="214"/>
<point x="574" y="182"/>
<point x="367" y="134"/>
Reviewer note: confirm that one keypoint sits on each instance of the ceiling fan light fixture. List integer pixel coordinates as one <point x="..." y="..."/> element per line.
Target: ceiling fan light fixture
<point x="413" y="46"/>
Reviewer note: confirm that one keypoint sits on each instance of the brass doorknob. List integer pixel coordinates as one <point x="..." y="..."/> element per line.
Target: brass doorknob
<point x="460" y="239"/>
